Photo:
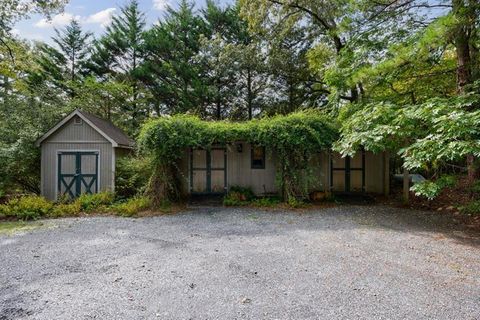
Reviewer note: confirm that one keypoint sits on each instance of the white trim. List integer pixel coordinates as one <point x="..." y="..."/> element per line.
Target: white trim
<point x="68" y="118"/>
<point x="76" y="150"/>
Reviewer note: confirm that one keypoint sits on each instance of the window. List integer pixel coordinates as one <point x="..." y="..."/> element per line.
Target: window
<point x="258" y="157"/>
<point x="77" y="121"/>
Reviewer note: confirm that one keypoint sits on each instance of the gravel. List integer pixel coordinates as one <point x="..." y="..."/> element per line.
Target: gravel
<point x="346" y="262"/>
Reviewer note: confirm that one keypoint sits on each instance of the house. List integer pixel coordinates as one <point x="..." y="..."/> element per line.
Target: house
<point x="79" y="155"/>
<point x="240" y="164"/>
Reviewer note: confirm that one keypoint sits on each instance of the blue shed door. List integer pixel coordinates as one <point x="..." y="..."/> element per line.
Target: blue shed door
<point x="77" y="173"/>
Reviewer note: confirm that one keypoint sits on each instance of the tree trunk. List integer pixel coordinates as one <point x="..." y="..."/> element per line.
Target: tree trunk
<point x="472" y="168"/>
<point x="462" y="33"/>
<point x="249" y="94"/>
<point x="406" y="186"/>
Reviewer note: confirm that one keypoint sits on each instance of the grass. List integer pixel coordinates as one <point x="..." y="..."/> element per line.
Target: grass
<point x="13" y="227"/>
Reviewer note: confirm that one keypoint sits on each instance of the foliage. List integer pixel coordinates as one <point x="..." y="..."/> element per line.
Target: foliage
<point x="238" y="196"/>
<point x="266" y="202"/>
<point x="131" y="176"/>
<point x="12" y="11"/>
<point x="95" y="201"/>
<point x="26" y="208"/>
<point x="431" y="189"/>
<point x="294" y="138"/>
<point x="65" y="209"/>
<point x="424" y="135"/>
<point x="475" y="188"/>
<point x="472" y="208"/>
<point x="117" y="55"/>
<point x="244" y="196"/>
<point x="132" y="206"/>
<point x="63" y="67"/>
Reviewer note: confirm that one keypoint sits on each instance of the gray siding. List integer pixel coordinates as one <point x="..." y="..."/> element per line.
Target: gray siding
<point x="71" y="132"/>
<point x="240" y="173"/>
<point x="80" y="138"/>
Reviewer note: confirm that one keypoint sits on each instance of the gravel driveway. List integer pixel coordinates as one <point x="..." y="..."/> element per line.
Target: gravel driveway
<point x="348" y="262"/>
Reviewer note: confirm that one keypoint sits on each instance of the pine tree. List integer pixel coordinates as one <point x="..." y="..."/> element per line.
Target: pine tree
<point x="170" y="71"/>
<point x="67" y="62"/>
<point x="117" y="55"/>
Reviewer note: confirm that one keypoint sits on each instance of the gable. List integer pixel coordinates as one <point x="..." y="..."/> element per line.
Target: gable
<point x="72" y="131"/>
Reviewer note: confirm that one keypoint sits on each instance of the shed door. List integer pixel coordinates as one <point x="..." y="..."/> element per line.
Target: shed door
<point x="77" y="173"/>
<point x="208" y="171"/>
<point x="347" y="174"/>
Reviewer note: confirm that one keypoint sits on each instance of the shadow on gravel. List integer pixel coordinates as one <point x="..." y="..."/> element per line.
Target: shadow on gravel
<point x="341" y="217"/>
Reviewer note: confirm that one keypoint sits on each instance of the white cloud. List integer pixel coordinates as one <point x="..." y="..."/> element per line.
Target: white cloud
<point x="58" y="20"/>
<point x="160" y="4"/>
<point x="103" y="17"/>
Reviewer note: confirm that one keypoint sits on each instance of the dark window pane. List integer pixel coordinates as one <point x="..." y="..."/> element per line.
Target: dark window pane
<point x="258" y="157"/>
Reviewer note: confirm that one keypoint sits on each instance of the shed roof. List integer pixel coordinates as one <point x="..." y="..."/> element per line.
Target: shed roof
<point x="104" y="127"/>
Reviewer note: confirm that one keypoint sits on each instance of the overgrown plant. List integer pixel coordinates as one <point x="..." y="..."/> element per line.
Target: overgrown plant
<point x="431" y="189"/>
<point x="294" y="139"/>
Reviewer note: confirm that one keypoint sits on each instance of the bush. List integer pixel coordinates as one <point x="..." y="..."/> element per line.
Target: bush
<point x="65" y="209"/>
<point x="97" y="201"/>
<point x="431" y="189"/>
<point x="266" y="202"/>
<point x="295" y="203"/>
<point x="475" y="188"/>
<point x="133" y="206"/>
<point x="3" y="211"/>
<point x="473" y="208"/>
<point x="27" y="208"/>
<point x="238" y="196"/>
<point x="132" y="175"/>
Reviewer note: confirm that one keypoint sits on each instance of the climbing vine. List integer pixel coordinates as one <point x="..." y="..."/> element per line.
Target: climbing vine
<point x="294" y="139"/>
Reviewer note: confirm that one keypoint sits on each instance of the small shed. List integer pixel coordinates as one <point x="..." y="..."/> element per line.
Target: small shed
<point x="79" y="155"/>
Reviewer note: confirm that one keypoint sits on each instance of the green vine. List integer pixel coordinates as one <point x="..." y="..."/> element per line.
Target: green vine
<point x="294" y="139"/>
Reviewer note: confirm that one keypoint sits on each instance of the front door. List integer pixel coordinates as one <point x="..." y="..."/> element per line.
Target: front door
<point x="77" y="173"/>
<point x="208" y="171"/>
<point x="347" y="174"/>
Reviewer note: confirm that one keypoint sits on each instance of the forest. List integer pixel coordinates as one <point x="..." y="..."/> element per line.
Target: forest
<point x="401" y="76"/>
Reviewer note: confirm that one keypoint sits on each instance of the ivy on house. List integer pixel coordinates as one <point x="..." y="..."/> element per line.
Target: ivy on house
<point x="294" y="139"/>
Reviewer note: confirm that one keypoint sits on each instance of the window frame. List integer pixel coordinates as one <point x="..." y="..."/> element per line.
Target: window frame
<point x="257" y="167"/>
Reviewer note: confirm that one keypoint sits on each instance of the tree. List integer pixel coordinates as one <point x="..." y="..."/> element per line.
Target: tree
<point x="171" y="71"/>
<point x="12" y="11"/>
<point x="117" y="55"/>
<point x="65" y="66"/>
<point x="27" y="110"/>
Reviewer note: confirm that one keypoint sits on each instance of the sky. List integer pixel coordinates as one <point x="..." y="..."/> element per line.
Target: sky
<point x="94" y="15"/>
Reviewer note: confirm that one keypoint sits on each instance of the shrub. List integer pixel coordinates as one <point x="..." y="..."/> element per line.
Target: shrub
<point x="65" y="209"/>
<point x="238" y="196"/>
<point x="132" y="175"/>
<point x="27" y="208"/>
<point x="431" y="189"/>
<point x="3" y="211"/>
<point x="473" y="208"/>
<point x="296" y="203"/>
<point x="475" y="188"/>
<point x="96" y="201"/>
<point x="132" y="206"/>
<point x="266" y="202"/>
